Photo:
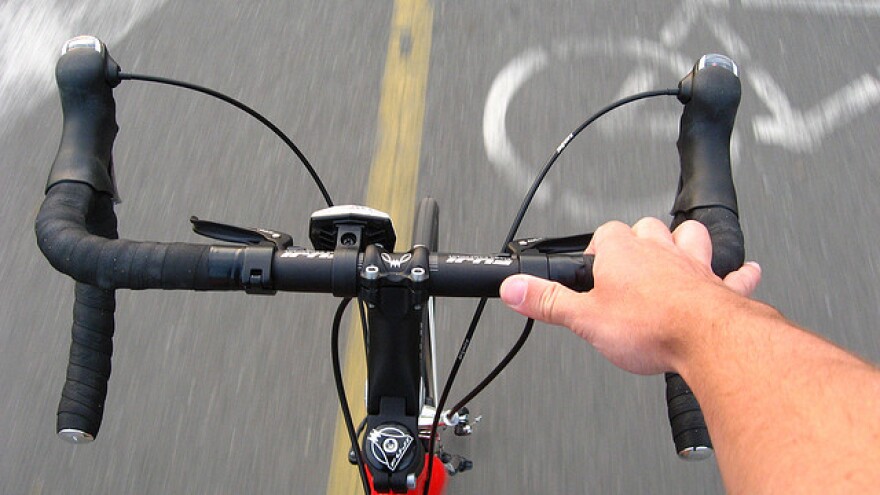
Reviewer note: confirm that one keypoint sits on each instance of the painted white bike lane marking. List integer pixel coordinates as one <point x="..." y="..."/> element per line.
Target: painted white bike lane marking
<point x="804" y="131"/>
<point x="34" y="32"/>
<point x="783" y="124"/>
<point x="629" y="121"/>
<point x="837" y="7"/>
<point x="795" y="130"/>
<point x="499" y="148"/>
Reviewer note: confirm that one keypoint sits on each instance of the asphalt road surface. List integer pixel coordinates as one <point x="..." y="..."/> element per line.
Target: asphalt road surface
<point x="234" y="394"/>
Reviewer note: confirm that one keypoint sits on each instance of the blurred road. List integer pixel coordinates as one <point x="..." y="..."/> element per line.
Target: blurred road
<point x="233" y="394"/>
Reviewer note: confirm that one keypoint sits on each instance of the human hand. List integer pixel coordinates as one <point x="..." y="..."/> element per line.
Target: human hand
<point x="654" y="290"/>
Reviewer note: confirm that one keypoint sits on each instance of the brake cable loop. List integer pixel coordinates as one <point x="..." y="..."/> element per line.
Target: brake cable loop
<point x="478" y="312"/>
<point x="241" y="106"/>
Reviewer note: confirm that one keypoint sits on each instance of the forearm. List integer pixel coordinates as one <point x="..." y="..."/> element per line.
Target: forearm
<point x="788" y="411"/>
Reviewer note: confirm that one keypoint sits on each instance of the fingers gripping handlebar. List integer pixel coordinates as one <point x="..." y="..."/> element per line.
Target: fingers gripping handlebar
<point x="76" y="230"/>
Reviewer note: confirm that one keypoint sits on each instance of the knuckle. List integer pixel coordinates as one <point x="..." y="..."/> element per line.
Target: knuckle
<point x="613" y="225"/>
<point x="548" y="308"/>
<point x="609" y="229"/>
<point x="648" y="223"/>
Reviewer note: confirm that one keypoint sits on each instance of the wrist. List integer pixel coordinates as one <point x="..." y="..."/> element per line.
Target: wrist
<point x="705" y="329"/>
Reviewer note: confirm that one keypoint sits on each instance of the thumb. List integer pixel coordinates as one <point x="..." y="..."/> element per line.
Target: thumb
<point x="541" y="299"/>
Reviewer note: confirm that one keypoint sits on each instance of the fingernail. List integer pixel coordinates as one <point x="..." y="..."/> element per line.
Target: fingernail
<point x="513" y="291"/>
<point x="754" y="264"/>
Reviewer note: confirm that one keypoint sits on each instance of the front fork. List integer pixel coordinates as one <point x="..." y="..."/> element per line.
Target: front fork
<point x="462" y="424"/>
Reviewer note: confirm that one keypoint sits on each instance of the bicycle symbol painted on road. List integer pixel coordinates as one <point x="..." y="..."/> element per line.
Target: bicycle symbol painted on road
<point x="656" y="61"/>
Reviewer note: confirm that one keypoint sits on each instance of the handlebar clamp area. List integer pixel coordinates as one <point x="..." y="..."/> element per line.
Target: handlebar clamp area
<point x="347" y="230"/>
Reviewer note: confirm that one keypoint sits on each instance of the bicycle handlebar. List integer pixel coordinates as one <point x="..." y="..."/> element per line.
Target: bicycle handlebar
<point x="71" y="236"/>
<point x="711" y="94"/>
<point x="76" y="231"/>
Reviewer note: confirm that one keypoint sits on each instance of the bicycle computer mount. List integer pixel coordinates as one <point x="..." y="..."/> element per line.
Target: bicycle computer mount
<point x="337" y="226"/>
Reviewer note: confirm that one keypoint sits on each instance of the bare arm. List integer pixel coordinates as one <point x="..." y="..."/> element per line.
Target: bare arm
<point x="788" y="411"/>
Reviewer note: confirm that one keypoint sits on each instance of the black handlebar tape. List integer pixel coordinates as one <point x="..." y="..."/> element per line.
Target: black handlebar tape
<point x="706" y="193"/>
<point x="76" y="230"/>
<point x="689" y="431"/>
<point x="728" y="244"/>
<point x="89" y="113"/>
<point x="84" y="156"/>
<point x="81" y="408"/>
<point x="82" y="399"/>
<point x="117" y="263"/>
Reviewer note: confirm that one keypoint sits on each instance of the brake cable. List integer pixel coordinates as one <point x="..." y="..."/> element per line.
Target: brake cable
<point x="241" y="106"/>
<point x="340" y="391"/>
<point x="478" y="312"/>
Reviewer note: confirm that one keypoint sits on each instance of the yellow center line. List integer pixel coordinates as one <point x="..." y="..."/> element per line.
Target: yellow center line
<point x="392" y="189"/>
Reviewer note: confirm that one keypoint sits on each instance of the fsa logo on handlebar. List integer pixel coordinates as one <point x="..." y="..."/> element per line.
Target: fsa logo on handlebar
<point x="322" y="255"/>
<point x="478" y="260"/>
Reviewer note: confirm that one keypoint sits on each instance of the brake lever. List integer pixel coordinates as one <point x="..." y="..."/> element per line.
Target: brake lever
<point x="241" y="235"/>
<point x="551" y="245"/>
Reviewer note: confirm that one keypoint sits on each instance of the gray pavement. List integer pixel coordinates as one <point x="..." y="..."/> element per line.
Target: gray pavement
<point x="233" y="394"/>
